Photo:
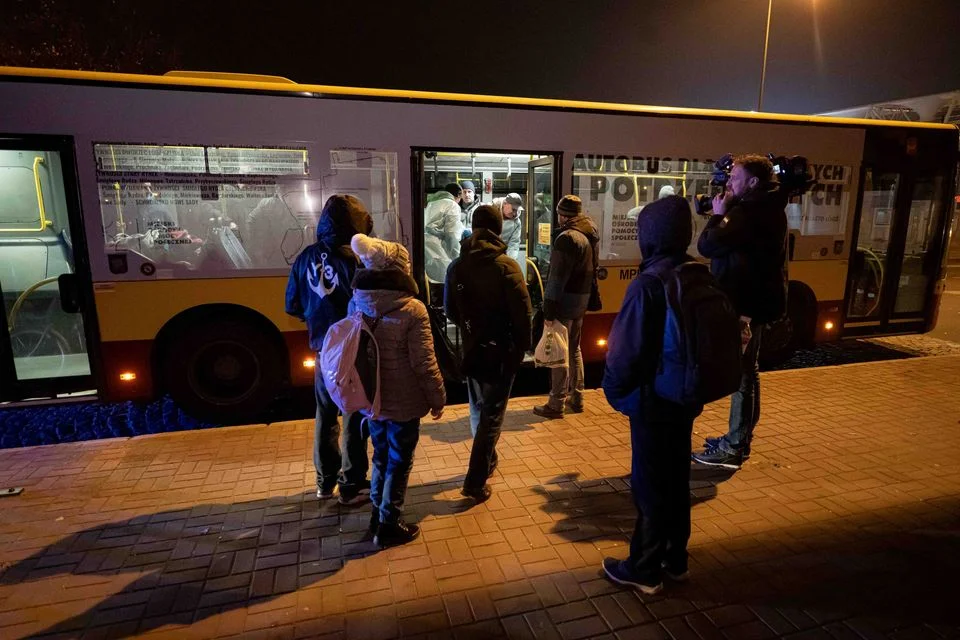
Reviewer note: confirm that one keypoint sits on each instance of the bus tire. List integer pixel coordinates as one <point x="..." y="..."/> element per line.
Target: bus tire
<point x="223" y="370"/>
<point x="794" y="331"/>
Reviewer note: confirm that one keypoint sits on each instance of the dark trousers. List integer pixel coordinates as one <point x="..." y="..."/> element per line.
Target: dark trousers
<point x="347" y="464"/>
<point x="393" y="446"/>
<point x="660" y="483"/>
<point x="488" y="405"/>
<point x="745" y="402"/>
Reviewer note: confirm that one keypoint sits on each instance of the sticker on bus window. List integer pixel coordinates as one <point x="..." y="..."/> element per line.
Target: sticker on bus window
<point x="543" y="233"/>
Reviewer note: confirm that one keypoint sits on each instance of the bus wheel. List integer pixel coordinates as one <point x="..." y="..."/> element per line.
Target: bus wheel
<point x="223" y="371"/>
<point x="794" y="331"/>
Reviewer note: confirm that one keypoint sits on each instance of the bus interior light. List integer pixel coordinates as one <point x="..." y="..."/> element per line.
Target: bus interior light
<point x="128" y="376"/>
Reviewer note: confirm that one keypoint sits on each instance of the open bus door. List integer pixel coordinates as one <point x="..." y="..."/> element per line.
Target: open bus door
<point x="542" y="189"/>
<point x="44" y="272"/>
<point x="900" y="239"/>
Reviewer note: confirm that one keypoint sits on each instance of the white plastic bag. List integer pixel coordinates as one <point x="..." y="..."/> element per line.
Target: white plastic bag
<point x="552" y="349"/>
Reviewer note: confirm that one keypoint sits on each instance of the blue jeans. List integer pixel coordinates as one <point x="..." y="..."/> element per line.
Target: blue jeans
<point x="745" y="402"/>
<point x="660" y="485"/>
<point x="488" y="405"/>
<point x="346" y="465"/>
<point x="567" y="382"/>
<point x="393" y="446"/>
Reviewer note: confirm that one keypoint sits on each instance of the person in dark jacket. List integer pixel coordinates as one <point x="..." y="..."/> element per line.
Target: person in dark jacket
<point x="660" y="430"/>
<point x="486" y="297"/>
<point x="746" y="240"/>
<point x="566" y="296"/>
<point x="318" y="292"/>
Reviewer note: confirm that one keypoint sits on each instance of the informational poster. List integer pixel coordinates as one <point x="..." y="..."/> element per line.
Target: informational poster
<point x="150" y="158"/>
<point x="543" y="233"/>
<point x="255" y="161"/>
<point x="825" y="206"/>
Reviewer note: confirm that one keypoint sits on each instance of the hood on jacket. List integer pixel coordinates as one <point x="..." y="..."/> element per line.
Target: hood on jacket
<point x="664" y="227"/>
<point x="377" y="292"/>
<point x="483" y="244"/>
<point x="584" y="225"/>
<point x="443" y="194"/>
<point x="343" y="216"/>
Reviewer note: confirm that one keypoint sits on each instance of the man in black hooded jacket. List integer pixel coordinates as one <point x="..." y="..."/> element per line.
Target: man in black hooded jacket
<point x="746" y="240"/>
<point x="486" y="296"/>
<point x="318" y="293"/>
<point x="660" y="430"/>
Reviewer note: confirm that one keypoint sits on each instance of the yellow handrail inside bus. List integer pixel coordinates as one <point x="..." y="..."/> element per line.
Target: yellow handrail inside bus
<point x="23" y="296"/>
<point x="539" y="279"/>
<point x="44" y="223"/>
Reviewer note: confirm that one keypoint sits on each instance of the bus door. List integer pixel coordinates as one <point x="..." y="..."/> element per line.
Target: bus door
<point x="541" y="201"/>
<point x="896" y="258"/>
<point x="44" y="272"/>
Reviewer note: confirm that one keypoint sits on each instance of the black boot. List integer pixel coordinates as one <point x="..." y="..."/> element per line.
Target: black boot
<point x="374" y="522"/>
<point x="390" y="534"/>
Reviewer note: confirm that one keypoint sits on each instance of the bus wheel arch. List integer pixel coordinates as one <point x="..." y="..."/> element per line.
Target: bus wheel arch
<point x="221" y="362"/>
<point x="795" y="330"/>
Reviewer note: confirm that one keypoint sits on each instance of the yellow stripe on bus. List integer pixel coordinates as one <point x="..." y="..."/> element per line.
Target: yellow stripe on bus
<point x="138" y="310"/>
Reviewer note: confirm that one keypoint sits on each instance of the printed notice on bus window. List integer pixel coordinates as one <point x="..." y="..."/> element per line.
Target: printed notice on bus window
<point x="150" y="158"/>
<point x="255" y="161"/>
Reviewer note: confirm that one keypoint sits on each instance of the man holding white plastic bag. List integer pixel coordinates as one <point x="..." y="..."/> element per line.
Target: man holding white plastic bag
<point x="565" y="302"/>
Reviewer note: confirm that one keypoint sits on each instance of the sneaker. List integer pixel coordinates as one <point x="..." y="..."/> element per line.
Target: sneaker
<point x="717" y="457"/>
<point x="619" y="571"/>
<point x="546" y="411"/>
<point x="479" y="495"/>
<point x="390" y="534"/>
<point x="712" y="442"/>
<point x="325" y="493"/>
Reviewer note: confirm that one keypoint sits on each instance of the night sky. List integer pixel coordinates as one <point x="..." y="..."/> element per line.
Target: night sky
<point x="824" y="54"/>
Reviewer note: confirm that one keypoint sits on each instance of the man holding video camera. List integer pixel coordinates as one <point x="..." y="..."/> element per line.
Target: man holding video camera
<point x="746" y="241"/>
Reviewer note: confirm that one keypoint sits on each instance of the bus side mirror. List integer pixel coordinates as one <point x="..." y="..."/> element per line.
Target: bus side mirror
<point x="70" y="300"/>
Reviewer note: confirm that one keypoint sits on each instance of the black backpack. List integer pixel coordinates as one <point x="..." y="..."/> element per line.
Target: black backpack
<point x="701" y="357"/>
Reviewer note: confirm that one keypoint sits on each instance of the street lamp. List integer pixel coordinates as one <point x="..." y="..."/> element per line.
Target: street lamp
<point x="766" y="44"/>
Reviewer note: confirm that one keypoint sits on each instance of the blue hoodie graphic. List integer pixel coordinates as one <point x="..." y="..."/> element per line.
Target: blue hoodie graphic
<point x="318" y="291"/>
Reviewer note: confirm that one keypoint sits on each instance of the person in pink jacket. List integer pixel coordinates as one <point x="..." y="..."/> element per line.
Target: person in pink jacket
<point x="410" y="382"/>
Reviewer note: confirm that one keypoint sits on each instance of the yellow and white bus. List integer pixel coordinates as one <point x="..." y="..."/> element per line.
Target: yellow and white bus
<point x="147" y="223"/>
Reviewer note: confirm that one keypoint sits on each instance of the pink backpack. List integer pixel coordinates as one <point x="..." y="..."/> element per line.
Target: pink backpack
<point x="351" y="379"/>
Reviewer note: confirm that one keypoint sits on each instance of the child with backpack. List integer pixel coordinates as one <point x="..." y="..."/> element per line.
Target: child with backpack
<point x="410" y="384"/>
<point x="674" y="346"/>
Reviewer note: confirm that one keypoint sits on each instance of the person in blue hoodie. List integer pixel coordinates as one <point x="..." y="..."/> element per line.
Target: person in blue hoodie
<point x="660" y="430"/>
<point x="318" y="293"/>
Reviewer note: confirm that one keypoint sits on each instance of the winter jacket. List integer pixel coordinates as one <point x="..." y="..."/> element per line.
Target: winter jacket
<point x="635" y="341"/>
<point x="571" y="270"/>
<point x="442" y="232"/>
<point x="410" y="380"/>
<point x="498" y="305"/>
<point x="748" y="252"/>
<point x="318" y="290"/>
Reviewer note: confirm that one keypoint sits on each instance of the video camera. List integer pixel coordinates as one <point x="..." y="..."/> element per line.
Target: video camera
<point x="793" y="178"/>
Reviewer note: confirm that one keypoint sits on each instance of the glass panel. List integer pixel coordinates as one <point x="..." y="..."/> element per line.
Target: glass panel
<point x="614" y="190"/>
<point x="35" y="249"/>
<point x="371" y="176"/>
<point x="822" y="211"/>
<point x="205" y="209"/>
<point x="541" y="235"/>
<point x="869" y="263"/>
<point x="917" y="268"/>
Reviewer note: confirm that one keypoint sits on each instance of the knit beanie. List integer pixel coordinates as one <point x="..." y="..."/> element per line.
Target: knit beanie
<point x="514" y="199"/>
<point x="488" y="217"/>
<point x="380" y="254"/>
<point x="468" y="184"/>
<point x="569" y="206"/>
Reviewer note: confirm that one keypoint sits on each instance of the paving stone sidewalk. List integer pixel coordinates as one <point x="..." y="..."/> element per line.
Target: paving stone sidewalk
<point x="845" y="523"/>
